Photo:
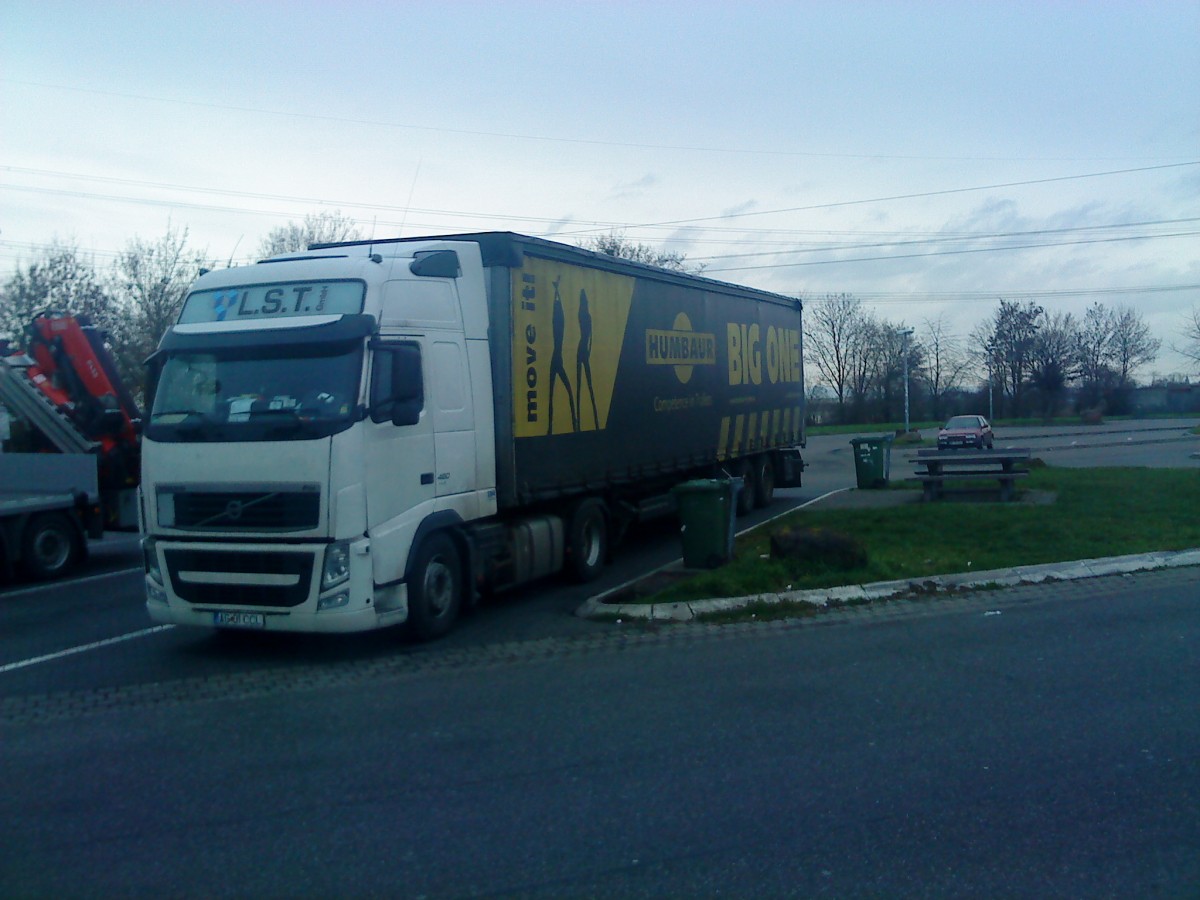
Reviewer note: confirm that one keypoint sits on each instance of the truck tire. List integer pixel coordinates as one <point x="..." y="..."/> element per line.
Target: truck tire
<point x="764" y="480"/>
<point x="587" y="540"/>
<point x="50" y="546"/>
<point x="436" y="588"/>
<point x="745" y="498"/>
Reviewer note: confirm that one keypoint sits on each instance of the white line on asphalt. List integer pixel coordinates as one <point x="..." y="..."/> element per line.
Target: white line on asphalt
<point x="791" y="510"/>
<point x="24" y="663"/>
<point x="632" y="581"/>
<point x="50" y="585"/>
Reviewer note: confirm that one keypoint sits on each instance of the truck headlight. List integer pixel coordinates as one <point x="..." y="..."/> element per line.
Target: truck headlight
<point x="150" y="560"/>
<point x="337" y="565"/>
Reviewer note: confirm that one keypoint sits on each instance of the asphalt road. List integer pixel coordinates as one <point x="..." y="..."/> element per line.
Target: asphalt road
<point x="1032" y="742"/>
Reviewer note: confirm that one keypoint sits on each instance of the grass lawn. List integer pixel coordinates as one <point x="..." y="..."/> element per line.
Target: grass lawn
<point x="1094" y="513"/>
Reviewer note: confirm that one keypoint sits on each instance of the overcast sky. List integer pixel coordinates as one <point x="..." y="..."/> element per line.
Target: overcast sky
<point x="889" y="150"/>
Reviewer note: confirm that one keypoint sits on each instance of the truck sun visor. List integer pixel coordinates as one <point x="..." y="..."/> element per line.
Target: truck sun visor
<point x="346" y="328"/>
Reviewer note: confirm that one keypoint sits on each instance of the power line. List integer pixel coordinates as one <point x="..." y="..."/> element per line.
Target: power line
<point x="985" y="187"/>
<point x="950" y="238"/>
<point x="991" y="296"/>
<point x="826" y="262"/>
<point x="933" y="239"/>
<point x="283" y="198"/>
<point x="383" y="123"/>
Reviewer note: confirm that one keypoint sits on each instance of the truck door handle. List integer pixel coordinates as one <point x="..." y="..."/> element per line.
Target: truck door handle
<point x="426" y="478"/>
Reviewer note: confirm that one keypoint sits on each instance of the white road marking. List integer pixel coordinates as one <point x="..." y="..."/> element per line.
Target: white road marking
<point x="791" y="510"/>
<point x="25" y="663"/>
<point x="50" y="585"/>
<point x="635" y="579"/>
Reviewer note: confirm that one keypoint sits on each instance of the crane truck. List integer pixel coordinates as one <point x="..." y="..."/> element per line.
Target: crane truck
<point x="70" y="462"/>
<point x="378" y="432"/>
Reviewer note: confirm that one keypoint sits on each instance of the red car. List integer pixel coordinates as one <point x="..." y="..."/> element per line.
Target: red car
<point x="965" y="431"/>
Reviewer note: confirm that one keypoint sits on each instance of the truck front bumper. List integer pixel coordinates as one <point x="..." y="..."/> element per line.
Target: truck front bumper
<point x="269" y="587"/>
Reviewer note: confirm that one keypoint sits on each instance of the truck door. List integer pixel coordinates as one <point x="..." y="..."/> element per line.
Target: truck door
<point x="453" y="422"/>
<point x="401" y="475"/>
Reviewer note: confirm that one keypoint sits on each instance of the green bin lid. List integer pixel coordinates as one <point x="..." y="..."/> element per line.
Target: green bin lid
<point x="702" y="485"/>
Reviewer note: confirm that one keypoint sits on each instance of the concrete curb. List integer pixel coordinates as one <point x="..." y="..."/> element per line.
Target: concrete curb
<point x="686" y="611"/>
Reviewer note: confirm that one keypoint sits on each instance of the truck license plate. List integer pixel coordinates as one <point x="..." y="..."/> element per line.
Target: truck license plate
<point x="239" y="620"/>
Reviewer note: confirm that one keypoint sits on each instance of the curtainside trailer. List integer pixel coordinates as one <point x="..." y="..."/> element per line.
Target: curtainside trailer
<point x="377" y="432"/>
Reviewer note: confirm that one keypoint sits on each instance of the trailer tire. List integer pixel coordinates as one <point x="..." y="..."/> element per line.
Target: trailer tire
<point x="435" y="589"/>
<point x="587" y="540"/>
<point x="50" y="546"/>
<point x="745" y="497"/>
<point x="764" y="481"/>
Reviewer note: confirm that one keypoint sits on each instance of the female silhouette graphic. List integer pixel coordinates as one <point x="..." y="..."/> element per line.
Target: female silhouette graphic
<point x="557" y="369"/>
<point x="583" y="359"/>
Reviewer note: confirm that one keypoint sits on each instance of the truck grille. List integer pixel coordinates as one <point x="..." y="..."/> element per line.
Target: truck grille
<point x="234" y="578"/>
<point x="249" y="510"/>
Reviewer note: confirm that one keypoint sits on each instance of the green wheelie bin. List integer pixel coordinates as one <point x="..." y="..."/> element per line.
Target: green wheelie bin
<point x="872" y="460"/>
<point x="706" y="511"/>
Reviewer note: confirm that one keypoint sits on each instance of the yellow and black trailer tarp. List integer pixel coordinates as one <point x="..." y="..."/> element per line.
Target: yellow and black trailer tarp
<point x="611" y="373"/>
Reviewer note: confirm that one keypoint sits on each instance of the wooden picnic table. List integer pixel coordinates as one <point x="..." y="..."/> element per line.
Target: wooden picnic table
<point x="935" y="467"/>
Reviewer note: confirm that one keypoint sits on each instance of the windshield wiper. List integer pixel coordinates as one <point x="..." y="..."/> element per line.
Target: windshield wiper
<point x="179" y="412"/>
<point x="194" y="425"/>
<point x="287" y="420"/>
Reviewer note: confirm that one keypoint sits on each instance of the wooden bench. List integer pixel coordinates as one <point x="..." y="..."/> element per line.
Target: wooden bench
<point x="935" y="467"/>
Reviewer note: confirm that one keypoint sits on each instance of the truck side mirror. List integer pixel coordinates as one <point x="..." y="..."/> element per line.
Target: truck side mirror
<point x="408" y="388"/>
<point x="397" y="387"/>
<point x="153" y="366"/>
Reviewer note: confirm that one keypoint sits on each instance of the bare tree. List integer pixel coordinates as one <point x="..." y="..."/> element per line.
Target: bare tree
<point x="60" y="280"/>
<point x="945" y="364"/>
<point x="1190" y="328"/>
<point x="1113" y="343"/>
<point x="324" y="227"/>
<point x="1054" y="360"/>
<point x="833" y="341"/>
<point x="1005" y="342"/>
<point x="150" y="280"/>
<point x="1095" y="355"/>
<point x="877" y="352"/>
<point x="1132" y="343"/>
<point x="615" y="243"/>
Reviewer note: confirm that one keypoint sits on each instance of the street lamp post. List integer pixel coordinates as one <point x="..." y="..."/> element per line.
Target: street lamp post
<point x="991" y="380"/>
<point x="906" y="333"/>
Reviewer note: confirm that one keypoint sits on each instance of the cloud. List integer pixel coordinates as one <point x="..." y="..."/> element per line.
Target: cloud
<point x="636" y="188"/>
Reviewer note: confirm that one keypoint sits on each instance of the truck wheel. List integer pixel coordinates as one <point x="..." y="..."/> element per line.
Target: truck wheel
<point x="587" y="542"/>
<point x="745" y="498"/>
<point x="435" y="590"/>
<point x="764" y="481"/>
<point x="50" y="546"/>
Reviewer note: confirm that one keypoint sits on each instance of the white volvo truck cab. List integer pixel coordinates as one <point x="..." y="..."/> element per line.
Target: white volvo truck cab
<point x="319" y="425"/>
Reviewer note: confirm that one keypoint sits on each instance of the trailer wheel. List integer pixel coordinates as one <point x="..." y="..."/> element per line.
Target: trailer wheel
<point x="764" y="481"/>
<point x="745" y="498"/>
<point x="587" y="541"/>
<point x="435" y="590"/>
<point x="50" y="546"/>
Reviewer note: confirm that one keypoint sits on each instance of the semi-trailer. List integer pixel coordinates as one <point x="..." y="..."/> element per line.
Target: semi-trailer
<point x="376" y="432"/>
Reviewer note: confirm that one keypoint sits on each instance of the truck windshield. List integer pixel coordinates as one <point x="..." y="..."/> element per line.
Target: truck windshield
<point x="257" y="394"/>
